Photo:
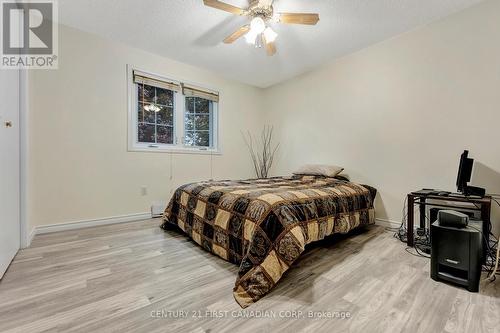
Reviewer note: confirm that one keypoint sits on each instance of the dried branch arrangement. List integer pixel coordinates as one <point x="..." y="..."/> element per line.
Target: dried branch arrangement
<point x="262" y="152"/>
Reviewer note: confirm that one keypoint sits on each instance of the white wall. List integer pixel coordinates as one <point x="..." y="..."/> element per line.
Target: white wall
<point x="397" y="115"/>
<point x="79" y="164"/>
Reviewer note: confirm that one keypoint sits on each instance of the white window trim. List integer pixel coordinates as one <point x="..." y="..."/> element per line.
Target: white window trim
<point x="179" y="101"/>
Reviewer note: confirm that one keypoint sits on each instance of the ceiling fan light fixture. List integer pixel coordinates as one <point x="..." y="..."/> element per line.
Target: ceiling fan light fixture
<point x="260" y="13"/>
<point x="257" y="25"/>
<point x="251" y="37"/>
<point x="270" y="35"/>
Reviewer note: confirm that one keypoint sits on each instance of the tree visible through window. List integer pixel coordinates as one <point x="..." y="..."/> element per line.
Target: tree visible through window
<point x="155" y="115"/>
<point x="198" y="122"/>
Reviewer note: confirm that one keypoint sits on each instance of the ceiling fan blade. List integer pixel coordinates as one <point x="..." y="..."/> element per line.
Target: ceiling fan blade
<point x="270" y="47"/>
<point x="237" y="34"/>
<point x="224" y="6"/>
<point x="298" y="18"/>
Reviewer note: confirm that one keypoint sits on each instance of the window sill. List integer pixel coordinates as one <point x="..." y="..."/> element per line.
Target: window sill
<point x="175" y="150"/>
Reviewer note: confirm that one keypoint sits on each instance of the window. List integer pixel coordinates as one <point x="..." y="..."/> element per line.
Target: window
<point x="155" y="123"/>
<point x="166" y="115"/>
<point x="198" y="122"/>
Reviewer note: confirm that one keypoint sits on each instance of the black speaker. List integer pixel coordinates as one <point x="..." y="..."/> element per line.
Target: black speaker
<point x="434" y="211"/>
<point x="452" y="218"/>
<point x="456" y="254"/>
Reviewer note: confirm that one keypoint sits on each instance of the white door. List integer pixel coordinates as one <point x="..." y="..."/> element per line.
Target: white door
<point x="10" y="233"/>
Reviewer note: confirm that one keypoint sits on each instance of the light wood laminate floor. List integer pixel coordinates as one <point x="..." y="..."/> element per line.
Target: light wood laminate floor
<point x="127" y="277"/>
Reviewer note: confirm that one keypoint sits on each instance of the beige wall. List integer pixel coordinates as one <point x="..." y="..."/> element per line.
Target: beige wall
<point x="79" y="167"/>
<point x="398" y="115"/>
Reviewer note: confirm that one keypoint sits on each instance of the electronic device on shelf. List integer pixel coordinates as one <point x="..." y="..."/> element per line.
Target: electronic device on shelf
<point x="456" y="195"/>
<point x="464" y="176"/>
<point x="426" y="191"/>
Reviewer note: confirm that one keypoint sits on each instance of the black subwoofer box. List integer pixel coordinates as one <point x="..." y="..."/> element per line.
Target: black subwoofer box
<point x="456" y="254"/>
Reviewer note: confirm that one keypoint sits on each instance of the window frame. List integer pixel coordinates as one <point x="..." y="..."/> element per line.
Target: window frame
<point x="178" y="120"/>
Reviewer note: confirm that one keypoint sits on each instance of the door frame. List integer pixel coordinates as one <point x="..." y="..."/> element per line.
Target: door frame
<point x="26" y="235"/>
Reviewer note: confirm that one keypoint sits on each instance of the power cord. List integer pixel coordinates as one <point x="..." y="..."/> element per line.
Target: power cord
<point x="420" y="242"/>
<point x="401" y="232"/>
<point x="494" y="268"/>
<point x="492" y="276"/>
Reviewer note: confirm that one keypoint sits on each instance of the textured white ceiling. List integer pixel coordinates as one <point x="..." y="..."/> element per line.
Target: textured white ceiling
<point x="187" y="31"/>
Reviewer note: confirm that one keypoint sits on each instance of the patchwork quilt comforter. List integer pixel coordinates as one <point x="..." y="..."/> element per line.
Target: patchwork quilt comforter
<point x="263" y="225"/>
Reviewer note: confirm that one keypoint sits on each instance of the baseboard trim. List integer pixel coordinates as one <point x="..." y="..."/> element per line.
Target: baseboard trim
<point x="387" y="223"/>
<point x="73" y="225"/>
<point x="30" y="237"/>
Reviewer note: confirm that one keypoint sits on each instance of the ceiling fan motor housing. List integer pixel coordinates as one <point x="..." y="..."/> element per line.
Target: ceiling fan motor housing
<point x="266" y="13"/>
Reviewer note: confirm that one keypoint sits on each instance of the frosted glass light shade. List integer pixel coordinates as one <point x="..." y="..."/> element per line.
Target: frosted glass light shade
<point x="257" y="25"/>
<point x="270" y="35"/>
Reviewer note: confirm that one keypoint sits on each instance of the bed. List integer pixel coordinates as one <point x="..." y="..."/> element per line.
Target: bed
<point x="263" y="225"/>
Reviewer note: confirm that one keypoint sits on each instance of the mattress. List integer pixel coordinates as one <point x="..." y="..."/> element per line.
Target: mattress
<point x="263" y="225"/>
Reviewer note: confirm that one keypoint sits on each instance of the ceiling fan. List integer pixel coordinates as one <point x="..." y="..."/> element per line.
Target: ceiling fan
<point x="258" y="32"/>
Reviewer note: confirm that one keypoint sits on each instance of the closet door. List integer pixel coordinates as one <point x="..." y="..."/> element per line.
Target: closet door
<point x="10" y="233"/>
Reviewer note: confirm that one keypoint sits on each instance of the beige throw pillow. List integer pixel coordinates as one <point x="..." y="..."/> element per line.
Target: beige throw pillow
<point x="319" y="170"/>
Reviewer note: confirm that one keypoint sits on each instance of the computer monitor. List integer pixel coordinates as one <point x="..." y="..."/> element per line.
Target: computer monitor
<point x="464" y="172"/>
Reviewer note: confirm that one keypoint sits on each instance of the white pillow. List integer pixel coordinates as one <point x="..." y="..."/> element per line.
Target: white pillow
<point x="319" y="170"/>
